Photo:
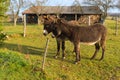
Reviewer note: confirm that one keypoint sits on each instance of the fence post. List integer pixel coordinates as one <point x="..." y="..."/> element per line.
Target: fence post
<point x="76" y="17"/>
<point x="44" y="57"/>
<point x="89" y="20"/>
<point x="24" y="29"/>
<point x="116" y="27"/>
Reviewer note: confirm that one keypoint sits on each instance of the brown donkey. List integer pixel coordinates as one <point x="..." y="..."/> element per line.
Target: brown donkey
<point x="61" y="39"/>
<point x="92" y="35"/>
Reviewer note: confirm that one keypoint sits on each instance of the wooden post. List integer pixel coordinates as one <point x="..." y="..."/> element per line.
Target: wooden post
<point x="44" y="57"/>
<point x="24" y="29"/>
<point x="58" y="15"/>
<point x="89" y="20"/>
<point x="38" y="20"/>
<point x="76" y="17"/>
<point x="116" y="27"/>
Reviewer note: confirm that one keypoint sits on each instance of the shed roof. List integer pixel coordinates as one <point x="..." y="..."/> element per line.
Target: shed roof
<point x="63" y="10"/>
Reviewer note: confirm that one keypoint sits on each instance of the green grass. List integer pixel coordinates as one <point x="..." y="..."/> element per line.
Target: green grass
<point x="18" y="50"/>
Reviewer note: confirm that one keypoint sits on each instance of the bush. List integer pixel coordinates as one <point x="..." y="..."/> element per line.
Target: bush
<point x="3" y="35"/>
<point x="15" y="66"/>
<point x="12" y="65"/>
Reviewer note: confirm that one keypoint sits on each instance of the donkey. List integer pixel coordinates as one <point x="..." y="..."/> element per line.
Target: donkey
<point x="61" y="39"/>
<point x="91" y="35"/>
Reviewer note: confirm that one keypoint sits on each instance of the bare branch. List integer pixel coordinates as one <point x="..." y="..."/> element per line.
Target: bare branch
<point x="76" y="6"/>
<point x="104" y="5"/>
<point x="15" y="7"/>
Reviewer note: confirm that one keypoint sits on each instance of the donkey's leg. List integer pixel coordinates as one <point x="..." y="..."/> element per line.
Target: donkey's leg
<point x="58" y="48"/>
<point x="63" y="49"/>
<point x="103" y="50"/>
<point x="97" y="48"/>
<point x="77" y="51"/>
<point x="102" y="44"/>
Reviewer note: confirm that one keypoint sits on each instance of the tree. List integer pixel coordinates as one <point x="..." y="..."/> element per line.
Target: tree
<point x="3" y="8"/>
<point x="118" y="4"/>
<point x="15" y="7"/>
<point x="104" y="5"/>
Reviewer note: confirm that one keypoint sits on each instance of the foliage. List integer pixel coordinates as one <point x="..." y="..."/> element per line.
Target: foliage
<point x="31" y="50"/>
<point x="14" y="65"/>
<point x="3" y="37"/>
<point x="10" y="63"/>
<point x="3" y="8"/>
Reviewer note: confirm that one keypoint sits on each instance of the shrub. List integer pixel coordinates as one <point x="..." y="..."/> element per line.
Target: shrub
<point x="3" y="35"/>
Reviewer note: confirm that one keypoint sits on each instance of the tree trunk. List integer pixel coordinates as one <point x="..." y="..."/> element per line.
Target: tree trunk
<point x="15" y="21"/>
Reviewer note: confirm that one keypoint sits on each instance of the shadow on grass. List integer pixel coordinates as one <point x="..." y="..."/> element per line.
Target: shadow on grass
<point x="28" y="49"/>
<point x="36" y="51"/>
<point x="23" y="49"/>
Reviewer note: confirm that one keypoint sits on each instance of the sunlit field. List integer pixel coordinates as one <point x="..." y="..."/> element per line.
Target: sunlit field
<point x="21" y="57"/>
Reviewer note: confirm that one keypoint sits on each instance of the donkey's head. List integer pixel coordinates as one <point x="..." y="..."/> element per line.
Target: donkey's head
<point x="48" y="24"/>
<point x="48" y="27"/>
<point x="53" y="27"/>
<point x="56" y="28"/>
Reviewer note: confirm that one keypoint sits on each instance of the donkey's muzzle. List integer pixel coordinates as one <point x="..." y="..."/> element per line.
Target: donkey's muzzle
<point x="45" y="32"/>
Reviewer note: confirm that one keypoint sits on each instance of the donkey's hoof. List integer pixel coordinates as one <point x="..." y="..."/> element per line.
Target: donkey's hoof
<point x="76" y="62"/>
<point x="100" y="59"/>
<point x="55" y="57"/>
<point x="63" y="58"/>
<point x="91" y="58"/>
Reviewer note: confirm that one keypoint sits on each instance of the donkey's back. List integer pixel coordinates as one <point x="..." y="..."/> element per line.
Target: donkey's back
<point x="89" y="34"/>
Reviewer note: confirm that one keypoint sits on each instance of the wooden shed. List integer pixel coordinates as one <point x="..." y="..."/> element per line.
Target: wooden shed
<point x="67" y="12"/>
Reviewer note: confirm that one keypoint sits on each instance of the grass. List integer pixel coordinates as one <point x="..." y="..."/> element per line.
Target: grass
<point x="18" y="50"/>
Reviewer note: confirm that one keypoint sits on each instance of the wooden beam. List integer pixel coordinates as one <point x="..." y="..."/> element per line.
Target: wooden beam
<point x="24" y="29"/>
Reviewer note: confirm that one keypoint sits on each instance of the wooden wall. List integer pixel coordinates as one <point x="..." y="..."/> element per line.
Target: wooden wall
<point x="82" y="19"/>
